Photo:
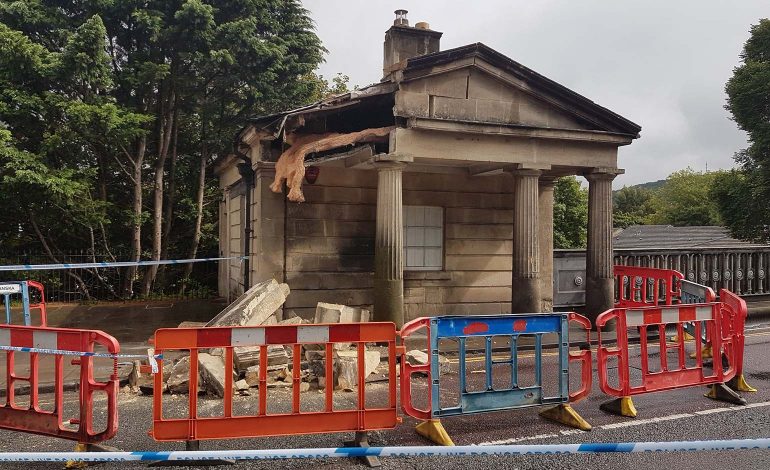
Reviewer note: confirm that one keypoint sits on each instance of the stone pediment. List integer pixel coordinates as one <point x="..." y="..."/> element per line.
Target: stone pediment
<point x="477" y="84"/>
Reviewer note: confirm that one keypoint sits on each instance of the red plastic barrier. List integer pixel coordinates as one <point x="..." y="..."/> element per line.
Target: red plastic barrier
<point x="640" y="286"/>
<point x="408" y="370"/>
<point x="32" y="417"/>
<point x="227" y="426"/>
<point x="716" y="316"/>
<point x="733" y="313"/>
<point x="40" y="305"/>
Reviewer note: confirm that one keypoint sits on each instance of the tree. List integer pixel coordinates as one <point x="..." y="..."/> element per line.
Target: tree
<point x="107" y="96"/>
<point x="734" y="194"/>
<point x="748" y="100"/>
<point x="685" y="200"/>
<point x="632" y="205"/>
<point x="570" y="213"/>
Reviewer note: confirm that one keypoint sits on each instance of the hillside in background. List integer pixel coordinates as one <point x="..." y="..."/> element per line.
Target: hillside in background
<point x="652" y="185"/>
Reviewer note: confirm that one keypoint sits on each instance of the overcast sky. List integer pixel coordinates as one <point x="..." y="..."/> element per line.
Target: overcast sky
<point x="661" y="64"/>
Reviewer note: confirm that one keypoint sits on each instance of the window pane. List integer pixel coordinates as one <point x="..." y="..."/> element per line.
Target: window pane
<point x="415" y="257"/>
<point x="433" y="237"/>
<point x="433" y="257"/>
<point x="433" y="216"/>
<point x="417" y="216"/>
<point x="415" y="236"/>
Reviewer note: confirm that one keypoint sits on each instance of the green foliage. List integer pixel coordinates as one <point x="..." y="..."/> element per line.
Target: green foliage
<point x="684" y="200"/>
<point x="570" y="213"/>
<point x="324" y="88"/>
<point x="86" y="86"/>
<point x="748" y="100"/>
<point x="633" y="205"/>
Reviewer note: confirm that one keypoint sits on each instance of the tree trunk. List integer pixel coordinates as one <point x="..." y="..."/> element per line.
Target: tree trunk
<point x="136" y="238"/>
<point x="198" y="218"/>
<point x="166" y="121"/>
<point x="168" y="210"/>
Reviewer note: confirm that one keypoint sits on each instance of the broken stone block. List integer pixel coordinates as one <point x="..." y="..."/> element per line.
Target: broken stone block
<point x="417" y="357"/>
<point x="254" y="306"/>
<point x="192" y="324"/>
<point x="304" y="386"/>
<point x="248" y="356"/>
<point x="252" y="376"/>
<point x="335" y="313"/>
<point x="291" y="321"/>
<point x="179" y="380"/>
<point x="212" y="374"/>
<point x="348" y="361"/>
<point x="241" y="385"/>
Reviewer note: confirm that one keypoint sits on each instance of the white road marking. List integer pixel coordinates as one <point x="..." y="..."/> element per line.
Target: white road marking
<point x="625" y="424"/>
<point x="641" y="422"/>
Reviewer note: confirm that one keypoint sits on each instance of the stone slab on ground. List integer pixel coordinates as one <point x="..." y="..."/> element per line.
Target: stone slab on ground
<point x="246" y="357"/>
<point x="336" y="313"/>
<point x="255" y="306"/>
<point x="348" y="365"/>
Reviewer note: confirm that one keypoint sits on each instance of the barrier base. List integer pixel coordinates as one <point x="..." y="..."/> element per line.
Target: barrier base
<point x="88" y="448"/>
<point x="687" y="337"/>
<point x="434" y="431"/>
<point x="738" y="383"/>
<point x="192" y="445"/>
<point x="722" y="392"/>
<point x="362" y="440"/>
<point x="622" y="406"/>
<point x="567" y="415"/>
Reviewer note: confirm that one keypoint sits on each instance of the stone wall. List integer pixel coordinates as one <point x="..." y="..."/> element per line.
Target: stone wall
<point x="330" y="243"/>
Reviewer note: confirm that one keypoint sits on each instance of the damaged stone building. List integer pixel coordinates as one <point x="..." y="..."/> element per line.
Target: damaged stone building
<point x="428" y="193"/>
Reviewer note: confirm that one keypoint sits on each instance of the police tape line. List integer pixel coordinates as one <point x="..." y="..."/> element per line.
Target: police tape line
<point x="105" y="264"/>
<point x="407" y="451"/>
<point x="150" y="356"/>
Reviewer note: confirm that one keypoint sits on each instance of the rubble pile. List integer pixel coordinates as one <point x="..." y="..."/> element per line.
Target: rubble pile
<point x="261" y="305"/>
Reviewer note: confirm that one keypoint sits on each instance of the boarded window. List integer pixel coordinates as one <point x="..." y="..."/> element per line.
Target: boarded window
<point x="423" y="238"/>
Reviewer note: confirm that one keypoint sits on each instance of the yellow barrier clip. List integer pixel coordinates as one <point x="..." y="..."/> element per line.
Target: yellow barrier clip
<point x="622" y="406"/>
<point x="722" y="392"/>
<point x="434" y="431"/>
<point x="566" y="415"/>
<point x="705" y="353"/>
<point x="74" y="463"/>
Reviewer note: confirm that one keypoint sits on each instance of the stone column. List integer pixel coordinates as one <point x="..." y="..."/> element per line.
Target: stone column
<point x="389" y="245"/>
<point x="525" y="287"/>
<point x="600" y="294"/>
<point x="545" y="203"/>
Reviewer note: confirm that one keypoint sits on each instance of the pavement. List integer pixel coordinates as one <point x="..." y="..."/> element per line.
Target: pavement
<point x="682" y="414"/>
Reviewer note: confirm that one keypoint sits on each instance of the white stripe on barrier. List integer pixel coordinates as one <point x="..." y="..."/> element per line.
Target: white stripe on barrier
<point x="45" y="339"/>
<point x="247" y="337"/>
<point x="117" y="264"/>
<point x="312" y="334"/>
<point x="669" y="315"/>
<point x="634" y="318"/>
<point x="411" y="451"/>
<point x="704" y="313"/>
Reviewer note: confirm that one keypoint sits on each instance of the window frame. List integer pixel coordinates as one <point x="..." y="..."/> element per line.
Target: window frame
<point x="442" y="239"/>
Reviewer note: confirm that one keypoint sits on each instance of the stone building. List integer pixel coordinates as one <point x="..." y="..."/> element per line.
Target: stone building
<point x="449" y="212"/>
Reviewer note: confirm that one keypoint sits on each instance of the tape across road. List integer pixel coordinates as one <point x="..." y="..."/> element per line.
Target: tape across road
<point x="411" y="451"/>
<point x="150" y="356"/>
<point x="104" y="264"/>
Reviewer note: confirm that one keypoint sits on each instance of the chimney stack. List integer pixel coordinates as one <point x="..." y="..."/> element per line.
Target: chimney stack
<point x="403" y="42"/>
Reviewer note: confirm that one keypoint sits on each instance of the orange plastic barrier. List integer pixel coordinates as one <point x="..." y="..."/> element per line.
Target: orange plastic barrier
<point x="227" y="426"/>
<point x="643" y="287"/>
<point x="32" y="417"/>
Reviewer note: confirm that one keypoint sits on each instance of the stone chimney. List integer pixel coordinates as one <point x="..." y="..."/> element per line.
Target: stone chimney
<point x="403" y="42"/>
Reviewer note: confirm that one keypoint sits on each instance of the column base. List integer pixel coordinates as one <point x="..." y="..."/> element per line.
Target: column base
<point x="600" y="296"/>
<point x="389" y="301"/>
<point x="525" y="295"/>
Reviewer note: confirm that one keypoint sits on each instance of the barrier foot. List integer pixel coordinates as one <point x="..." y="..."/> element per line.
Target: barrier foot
<point x="192" y="445"/>
<point x="622" y="406"/>
<point x="567" y="415"/>
<point x="687" y="337"/>
<point x="89" y="448"/>
<point x="362" y="440"/>
<point x="434" y="431"/>
<point x="722" y="392"/>
<point x="738" y="383"/>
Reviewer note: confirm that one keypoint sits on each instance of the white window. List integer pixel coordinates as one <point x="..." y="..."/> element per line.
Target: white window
<point x="423" y="238"/>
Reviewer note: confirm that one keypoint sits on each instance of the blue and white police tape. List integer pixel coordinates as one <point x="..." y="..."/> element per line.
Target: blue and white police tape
<point x="105" y="264"/>
<point x="413" y="451"/>
<point x="150" y="356"/>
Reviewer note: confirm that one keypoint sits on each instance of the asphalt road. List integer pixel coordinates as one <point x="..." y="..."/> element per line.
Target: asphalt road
<point x="674" y="415"/>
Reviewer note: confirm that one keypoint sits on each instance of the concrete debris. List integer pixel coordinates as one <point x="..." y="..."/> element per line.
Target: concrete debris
<point x="212" y="374"/>
<point x="255" y="306"/>
<point x="335" y="313"/>
<point x="292" y="321"/>
<point x="248" y="356"/>
<point x="241" y="385"/>
<point x="348" y="361"/>
<point x="252" y="376"/>
<point x="179" y="380"/>
<point x="192" y="324"/>
<point x="417" y="357"/>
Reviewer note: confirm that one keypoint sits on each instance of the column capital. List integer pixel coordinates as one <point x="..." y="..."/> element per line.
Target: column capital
<point x="603" y="174"/>
<point x="534" y="172"/>
<point x="548" y="181"/>
<point x="390" y="160"/>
